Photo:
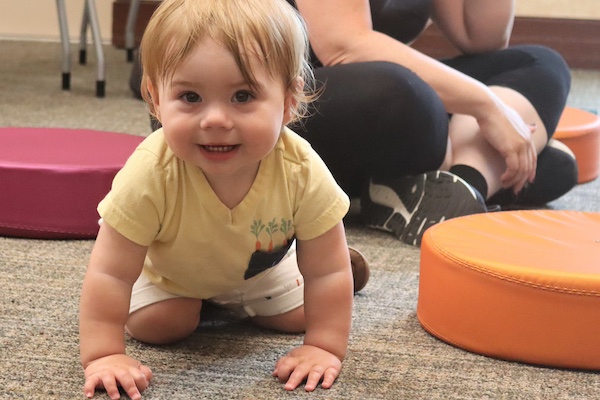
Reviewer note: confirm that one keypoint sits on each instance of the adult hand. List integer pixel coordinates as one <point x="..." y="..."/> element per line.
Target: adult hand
<point x="308" y="362"/>
<point x="116" y="370"/>
<point x="505" y="131"/>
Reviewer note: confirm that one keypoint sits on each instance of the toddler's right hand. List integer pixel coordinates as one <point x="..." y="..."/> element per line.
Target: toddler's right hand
<point x="116" y="370"/>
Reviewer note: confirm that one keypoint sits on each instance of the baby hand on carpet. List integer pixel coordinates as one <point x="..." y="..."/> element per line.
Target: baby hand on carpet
<point x="309" y="363"/>
<point x="116" y="370"/>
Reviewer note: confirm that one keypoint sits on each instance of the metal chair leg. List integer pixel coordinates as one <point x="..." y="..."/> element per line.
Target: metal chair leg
<point x="95" y="24"/>
<point x="83" y="34"/>
<point x="134" y="7"/>
<point x="66" y="46"/>
<point x="90" y="18"/>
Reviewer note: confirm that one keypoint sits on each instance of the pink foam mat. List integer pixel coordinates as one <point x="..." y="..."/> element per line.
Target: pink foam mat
<point x="51" y="179"/>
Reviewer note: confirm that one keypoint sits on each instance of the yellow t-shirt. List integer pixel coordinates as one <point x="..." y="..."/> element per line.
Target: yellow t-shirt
<point x="200" y="248"/>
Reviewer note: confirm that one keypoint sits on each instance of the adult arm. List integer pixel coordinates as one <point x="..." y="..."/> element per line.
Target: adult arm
<point x="115" y="264"/>
<point x="341" y="32"/>
<point x="328" y="290"/>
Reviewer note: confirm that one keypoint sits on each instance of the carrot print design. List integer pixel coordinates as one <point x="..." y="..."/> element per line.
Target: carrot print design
<point x="285" y="226"/>
<point x="256" y="228"/>
<point x="271" y="229"/>
<point x="286" y="229"/>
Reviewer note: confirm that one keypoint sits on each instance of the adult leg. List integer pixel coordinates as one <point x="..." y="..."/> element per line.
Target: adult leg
<point x="538" y="73"/>
<point x="535" y="81"/>
<point x="375" y="119"/>
<point x="380" y="129"/>
<point x="471" y="149"/>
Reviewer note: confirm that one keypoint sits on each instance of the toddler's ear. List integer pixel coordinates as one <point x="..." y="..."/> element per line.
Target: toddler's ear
<point x="291" y="99"/>
<point x="152" y="92"/>
<point x="154" y="98"/>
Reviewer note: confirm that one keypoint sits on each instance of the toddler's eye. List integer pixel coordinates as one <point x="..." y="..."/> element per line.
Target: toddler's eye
<point x="242" y="97"/>
<point x="191" y="97"/>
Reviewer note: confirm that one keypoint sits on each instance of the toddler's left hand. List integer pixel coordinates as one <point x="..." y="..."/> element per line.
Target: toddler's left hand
<point x="308" y="362"/>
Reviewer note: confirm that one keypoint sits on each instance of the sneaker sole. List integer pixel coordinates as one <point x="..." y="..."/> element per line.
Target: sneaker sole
<point x="431" y="198"/>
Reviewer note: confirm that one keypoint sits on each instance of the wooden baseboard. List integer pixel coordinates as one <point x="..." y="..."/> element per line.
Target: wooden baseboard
<point x="578" y="41"/>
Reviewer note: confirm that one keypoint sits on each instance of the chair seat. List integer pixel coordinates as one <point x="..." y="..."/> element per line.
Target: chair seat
<point x="51" y="180"/>
<point x="515" y="285"/>
<point x="580" y="131"/>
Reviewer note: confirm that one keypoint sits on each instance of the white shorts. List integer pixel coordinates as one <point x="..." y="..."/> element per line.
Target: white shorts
<point x="275" y="291"/>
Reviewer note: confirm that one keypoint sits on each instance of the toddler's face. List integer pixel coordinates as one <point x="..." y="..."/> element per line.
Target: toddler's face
<point x="212" y="118"/>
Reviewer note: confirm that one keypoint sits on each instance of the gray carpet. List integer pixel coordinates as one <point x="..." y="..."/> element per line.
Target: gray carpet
<point x="390" y="356"/>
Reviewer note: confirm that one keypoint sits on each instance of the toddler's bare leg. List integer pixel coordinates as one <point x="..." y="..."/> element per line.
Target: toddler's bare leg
<point x="165" y="322"/>
<point x="289" y="322"/>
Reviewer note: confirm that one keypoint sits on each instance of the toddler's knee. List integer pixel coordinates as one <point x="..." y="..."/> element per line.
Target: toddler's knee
<point x="165" y="322"/>
<point x="289" y="322"/>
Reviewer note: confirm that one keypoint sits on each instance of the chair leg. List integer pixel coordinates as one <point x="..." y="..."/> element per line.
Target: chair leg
<point x="134" y="7"/>
<point x="83" y="34"/>
<point x="95" y="24"/>
<point x="66" y="46"/>
<point x="90" y="18"/>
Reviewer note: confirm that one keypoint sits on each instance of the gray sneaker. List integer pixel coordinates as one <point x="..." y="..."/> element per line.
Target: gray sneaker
<point x="407" y="206"/>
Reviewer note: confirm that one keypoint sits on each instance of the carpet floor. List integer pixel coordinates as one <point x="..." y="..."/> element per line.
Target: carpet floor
<point x="390" y="356"/>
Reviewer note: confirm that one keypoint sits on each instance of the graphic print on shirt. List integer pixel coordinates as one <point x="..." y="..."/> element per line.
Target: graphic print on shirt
<point x="275" y="236"/>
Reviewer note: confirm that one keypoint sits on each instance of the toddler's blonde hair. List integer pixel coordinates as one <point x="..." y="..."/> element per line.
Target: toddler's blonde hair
<point x="272" y="29"/>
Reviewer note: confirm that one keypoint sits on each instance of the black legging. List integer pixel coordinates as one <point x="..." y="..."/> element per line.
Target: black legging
<point x="379" y="119"/>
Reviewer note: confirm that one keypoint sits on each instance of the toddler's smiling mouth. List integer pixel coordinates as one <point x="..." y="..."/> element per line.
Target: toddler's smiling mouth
<point x="219" y="148"/>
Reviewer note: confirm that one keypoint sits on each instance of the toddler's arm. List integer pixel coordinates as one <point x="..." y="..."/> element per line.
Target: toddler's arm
<point x="325" y="264"/>
<point x="115" y="264"/>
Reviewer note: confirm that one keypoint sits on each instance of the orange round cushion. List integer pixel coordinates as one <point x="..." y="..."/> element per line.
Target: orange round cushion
<point x="51" y="179"/>
<point x="580" y="131"/>
<point x="515" y="285"/>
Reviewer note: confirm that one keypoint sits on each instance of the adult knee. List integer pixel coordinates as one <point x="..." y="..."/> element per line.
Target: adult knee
<point x="543" y="78"/>
<point x="409" y="121"/>
<point x="375" y="119"/>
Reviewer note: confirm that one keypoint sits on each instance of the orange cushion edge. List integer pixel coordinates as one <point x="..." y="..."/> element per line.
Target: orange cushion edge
<point x="497" y="321"/>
